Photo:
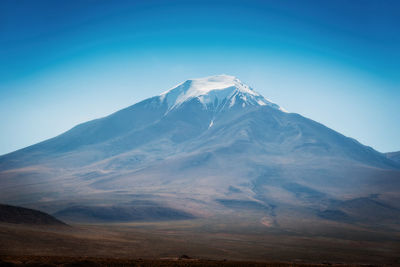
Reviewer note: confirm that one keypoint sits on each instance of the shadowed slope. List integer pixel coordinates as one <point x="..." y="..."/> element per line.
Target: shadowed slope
<point x="19" y="215"/>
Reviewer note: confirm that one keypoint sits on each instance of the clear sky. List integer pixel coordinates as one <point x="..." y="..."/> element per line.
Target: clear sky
<point x="65" y="62"/>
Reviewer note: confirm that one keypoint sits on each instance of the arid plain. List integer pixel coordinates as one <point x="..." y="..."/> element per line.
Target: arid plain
<point x="214" y="238"/>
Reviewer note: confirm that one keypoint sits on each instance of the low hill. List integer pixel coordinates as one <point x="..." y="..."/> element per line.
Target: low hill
<point x="19" y="215"/>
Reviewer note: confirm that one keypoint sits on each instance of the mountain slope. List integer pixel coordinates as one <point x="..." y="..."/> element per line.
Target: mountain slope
<point x="19" y="215"/>
<point x="202" y="144"/>
<point x="395" y="156"/>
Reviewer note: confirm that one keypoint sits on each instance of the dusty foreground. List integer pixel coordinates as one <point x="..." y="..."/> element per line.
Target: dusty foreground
<point x="80" y="261"/>
<point x="193" y="243"/>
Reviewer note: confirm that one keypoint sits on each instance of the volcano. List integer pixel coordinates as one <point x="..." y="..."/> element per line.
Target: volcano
<point x="208" y="147"/>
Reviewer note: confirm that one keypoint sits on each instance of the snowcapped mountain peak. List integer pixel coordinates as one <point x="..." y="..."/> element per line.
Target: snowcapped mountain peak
<point x="215" y="91"/>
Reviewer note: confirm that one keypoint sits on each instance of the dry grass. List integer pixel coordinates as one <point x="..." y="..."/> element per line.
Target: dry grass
<point x="179" y="262"/>
<point x="118" y="244"/>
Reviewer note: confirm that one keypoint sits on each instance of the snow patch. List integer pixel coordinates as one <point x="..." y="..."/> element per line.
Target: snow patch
<point x="233" y="99"/>
<point x="261" y="103"/>
<point x="214" y="90"/>
<point x="283" y="110"/>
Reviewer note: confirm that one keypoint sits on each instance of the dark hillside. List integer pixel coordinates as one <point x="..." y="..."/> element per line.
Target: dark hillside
<point x="19" y="215"/>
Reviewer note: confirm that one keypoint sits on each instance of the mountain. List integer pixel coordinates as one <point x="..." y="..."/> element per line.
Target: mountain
<point x="395" y="156"/>
<point x="207" y="147"/>
<point x="19" y="215"/>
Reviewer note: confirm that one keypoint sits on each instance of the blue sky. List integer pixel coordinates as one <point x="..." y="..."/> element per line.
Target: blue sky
<point x="66" y="62"/>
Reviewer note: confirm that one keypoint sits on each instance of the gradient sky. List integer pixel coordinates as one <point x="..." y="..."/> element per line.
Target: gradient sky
<point x="66" y="62"/>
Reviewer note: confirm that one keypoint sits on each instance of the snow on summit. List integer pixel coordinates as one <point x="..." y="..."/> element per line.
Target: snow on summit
<point x="224" y="90"/>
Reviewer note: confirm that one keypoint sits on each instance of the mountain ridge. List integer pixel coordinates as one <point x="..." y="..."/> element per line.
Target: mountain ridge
<point x="395" y="156"/>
